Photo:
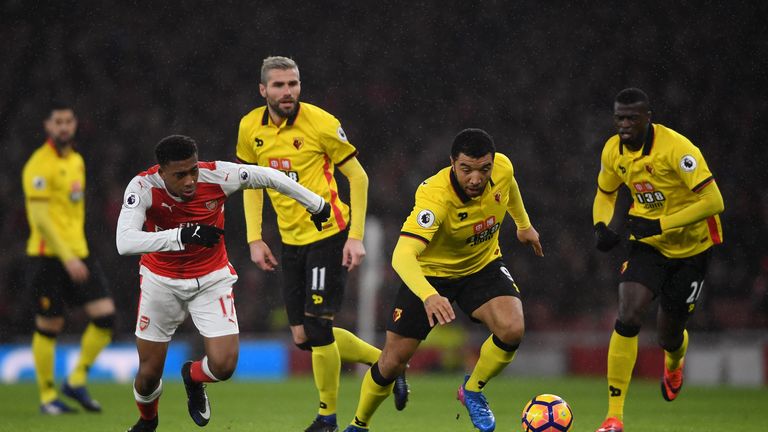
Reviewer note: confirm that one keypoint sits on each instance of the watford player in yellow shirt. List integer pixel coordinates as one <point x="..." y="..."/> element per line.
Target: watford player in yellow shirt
<point x="308" y="145"/>
<point x="673" y="223"/>
<point x="60" y="270"/>
<point x="449" y="252"/>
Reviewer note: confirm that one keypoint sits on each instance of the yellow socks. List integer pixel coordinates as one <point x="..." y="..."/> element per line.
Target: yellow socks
<point x="372" y="394"/>
<point x="353" y="349"/>
<point x="674" y="359"/>
<point x="622" y="354"/>
<point x="93" y="341"/>
<point x="43" y="351"/>
<point x="326" y="367"/>
<point x="493" y="359"/>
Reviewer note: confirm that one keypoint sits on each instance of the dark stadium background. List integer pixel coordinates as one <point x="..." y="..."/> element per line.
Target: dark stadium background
<point x="403" y="79"/>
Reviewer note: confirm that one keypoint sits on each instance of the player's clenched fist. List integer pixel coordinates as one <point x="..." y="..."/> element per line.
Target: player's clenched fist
<point x="321" y="216"/>
<point x="204" y="235"/>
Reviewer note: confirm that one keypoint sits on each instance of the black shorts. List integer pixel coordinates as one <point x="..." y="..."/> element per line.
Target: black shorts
<point x="313" y="278"/>
<point x="677" y="282"/>
<point x="53" y="288"/>
<point x="408" y="318"/>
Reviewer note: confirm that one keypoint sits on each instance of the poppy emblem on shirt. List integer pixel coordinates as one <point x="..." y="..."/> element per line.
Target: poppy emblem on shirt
<point x="298" y="142"/>
<point x="497" y="197"/>
<point x="211" y="205"/>
<point x="143" y="322"/>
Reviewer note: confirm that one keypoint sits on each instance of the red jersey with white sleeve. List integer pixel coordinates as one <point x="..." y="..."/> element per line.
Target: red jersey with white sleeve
<point x="151" y="218"/>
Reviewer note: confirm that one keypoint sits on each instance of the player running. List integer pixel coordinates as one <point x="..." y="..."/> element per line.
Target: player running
<point x="307" y="144"/>
<point x="673" y="224"/>
<point x="449" y="251"/>
<point x="173" y="214"/>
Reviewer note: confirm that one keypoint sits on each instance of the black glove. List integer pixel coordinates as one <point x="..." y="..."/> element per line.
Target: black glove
<point x="605" y="238"/>
<point x="321" y="216"/>
<point x="204" y="235"/>
<point x="641" y="227"/>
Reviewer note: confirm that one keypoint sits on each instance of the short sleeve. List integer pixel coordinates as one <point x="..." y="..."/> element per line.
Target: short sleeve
<point x="426" y="217"/>
<point x="335" y="143"/>
<point x="245" y="150"/>
<point x="690" y="165"/>
<point x="607" y="179"/>
<point x="36" y="179"/>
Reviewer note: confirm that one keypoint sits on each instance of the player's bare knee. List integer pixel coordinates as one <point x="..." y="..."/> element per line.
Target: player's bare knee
<point x="393" y="363"/>
<point x="511" y="335"/>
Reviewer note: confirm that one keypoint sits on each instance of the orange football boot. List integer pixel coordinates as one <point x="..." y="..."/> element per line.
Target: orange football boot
<point x="611" y="424"/>
<point x="671" y="383"/>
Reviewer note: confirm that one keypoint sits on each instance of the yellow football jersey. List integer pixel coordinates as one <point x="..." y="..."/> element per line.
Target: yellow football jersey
<point x="60" y="180"/>
<point x="460" y="232"/>
<point x="306" y="147"/>
<point x="663" y="178"/>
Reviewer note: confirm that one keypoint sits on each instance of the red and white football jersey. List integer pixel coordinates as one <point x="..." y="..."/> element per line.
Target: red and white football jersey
<point x="151" y="218"/>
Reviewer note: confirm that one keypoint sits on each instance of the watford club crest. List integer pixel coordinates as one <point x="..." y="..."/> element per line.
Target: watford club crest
<point x="397" y="314"/>
<point x="298" y="142"/>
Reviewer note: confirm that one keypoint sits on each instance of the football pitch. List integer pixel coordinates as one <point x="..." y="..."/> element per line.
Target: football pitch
<point x="290" y="406"/>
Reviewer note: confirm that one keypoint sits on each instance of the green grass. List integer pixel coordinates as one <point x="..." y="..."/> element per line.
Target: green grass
<point x="290" y="406"/>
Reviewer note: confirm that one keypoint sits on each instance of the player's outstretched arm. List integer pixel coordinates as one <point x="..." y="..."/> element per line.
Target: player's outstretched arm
<point x="256" y="177"/>
<point x="406" y="264"/>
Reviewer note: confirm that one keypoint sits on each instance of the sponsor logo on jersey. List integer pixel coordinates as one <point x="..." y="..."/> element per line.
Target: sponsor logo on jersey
<point x="483" y="231"/>
<point x="282" y="164"/>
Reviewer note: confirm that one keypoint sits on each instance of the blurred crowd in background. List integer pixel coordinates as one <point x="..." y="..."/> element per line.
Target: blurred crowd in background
<point x="403" y="81"/>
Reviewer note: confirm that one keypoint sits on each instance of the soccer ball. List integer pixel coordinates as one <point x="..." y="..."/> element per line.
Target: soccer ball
<point x="547" y="413"/>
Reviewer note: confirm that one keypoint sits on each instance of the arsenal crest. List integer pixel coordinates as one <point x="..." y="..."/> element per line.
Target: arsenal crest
<point x="211" y="205"/>
<point x="143" y="322"/>
<point x="298" y="142"/>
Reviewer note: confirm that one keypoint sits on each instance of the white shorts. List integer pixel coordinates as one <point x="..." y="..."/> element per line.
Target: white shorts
<point x="165" y="302"/>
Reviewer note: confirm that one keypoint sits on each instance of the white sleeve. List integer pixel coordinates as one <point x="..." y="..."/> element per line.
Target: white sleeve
<point x="131" y="237"/>
<point x="256" y="177"/>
